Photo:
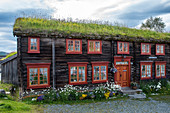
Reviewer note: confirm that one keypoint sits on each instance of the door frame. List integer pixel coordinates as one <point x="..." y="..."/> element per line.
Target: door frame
<point x="123" y="58"/>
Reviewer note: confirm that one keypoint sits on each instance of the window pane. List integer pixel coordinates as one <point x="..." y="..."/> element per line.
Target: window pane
<point x="81" y="74"/>
<point x="97" y="44"/>
<point x="33" y="73"/>
<point x="157" y="70"/>
<point x="162" y="70"/>
<point x="73" y="74"/>
<point x="96" y="72"/>
<point x="33" y="44"/>
<point x="120" y="47"/>
<point x="147" y="48"/>
<point x="103" y="72"/>
<point x="91" y="48"/>
<point x="148" y="71"/>
<point x="77" y="45"/>
<point x="162" y="48"/>
<point x="70" y="45"/>
<point x="143" y="48"/>
<point x="143" y="71"/>
<point x="125" y="47"/>
<point x="43" y="75"/>
<point x="157" y="49"/>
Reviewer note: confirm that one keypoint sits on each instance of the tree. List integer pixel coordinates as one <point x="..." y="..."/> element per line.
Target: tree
<point x="154" y="24"/>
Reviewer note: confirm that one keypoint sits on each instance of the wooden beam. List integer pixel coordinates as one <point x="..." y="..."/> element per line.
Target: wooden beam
<point x="53" y="61"/>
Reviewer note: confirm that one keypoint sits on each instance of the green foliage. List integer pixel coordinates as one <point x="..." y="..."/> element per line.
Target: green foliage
<point x="155" y="24"/>
<point x="155" y="86"/>
<point x="84" y="28"/>
<point x="5" y="86"/>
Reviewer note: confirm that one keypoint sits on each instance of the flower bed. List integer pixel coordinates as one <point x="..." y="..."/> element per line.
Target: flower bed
<point x="70" y="93"/>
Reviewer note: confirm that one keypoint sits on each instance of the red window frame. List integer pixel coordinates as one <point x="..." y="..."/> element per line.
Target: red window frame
<point x="160" y="63"/>
<point x="145" y="53"/>
<point x="160" y="49"/>
<point x="94" y="52"/>
<point x="29" y="45"/>
<point x="122" y="52"/>
<point x="73" y="52"/>
<point x="99" y="64"/>
<point x="145" y="63"/>
<point x="77" y="64"/>
<point x="38" y="65"/>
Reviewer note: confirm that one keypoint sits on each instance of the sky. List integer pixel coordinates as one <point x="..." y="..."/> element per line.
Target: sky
<point x="130" y="13"/>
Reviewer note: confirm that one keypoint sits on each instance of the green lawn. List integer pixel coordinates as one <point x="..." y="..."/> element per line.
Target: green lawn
<point x="10" y="106"/>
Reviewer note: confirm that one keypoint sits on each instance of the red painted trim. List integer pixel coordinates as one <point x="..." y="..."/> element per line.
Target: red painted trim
<point x="29" y="45"/>
<point x="142" y="53"/>
<point x="99" y="64"/>
<point x="38" y="65"/>
<point x="70" y="64"/>
<point x="159" y="49"/>
<point x="160" y="63"/>
<point x="74" y="52"/>
<point x="145" y="63"/>
<point x="122" y="52"/>
<point x="95" y="52"/>
<point x="119" y="58"/>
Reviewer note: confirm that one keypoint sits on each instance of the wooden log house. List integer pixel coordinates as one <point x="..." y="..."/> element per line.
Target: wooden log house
<point x="55" y="54"/>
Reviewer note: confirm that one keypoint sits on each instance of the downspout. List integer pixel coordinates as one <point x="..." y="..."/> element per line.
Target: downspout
<point x="53" y="60"/>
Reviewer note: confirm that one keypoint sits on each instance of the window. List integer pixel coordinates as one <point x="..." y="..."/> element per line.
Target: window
<point x="99" y="72"/>
<point x="123" y="47"/>
<point x="146" y="70"/>
<point x="94" y="47"/>
<point x="160" y="69"/>
<point x="160" y="49"/>
<point x="33" y="45"/>
<point x="77" y="73"/>
<point x="145" y="49"/>
<point x="38" y="75"/>
<point x="73" y="46"/>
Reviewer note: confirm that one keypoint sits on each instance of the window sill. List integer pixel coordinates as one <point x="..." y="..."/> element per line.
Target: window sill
<point x="99" y="81"/>
<point x="33" y="51"/>
<point x="38" y="86"/>
<point x="77" y="83"/>
<point x="73" y="52"/>
<point x="146" y="78"/>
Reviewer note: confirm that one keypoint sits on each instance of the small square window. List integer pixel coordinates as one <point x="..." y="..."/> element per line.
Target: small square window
<point x="99" y="72"/>
<point x="146" y="70"/>
<point x="145" y="49"/>
<point x="33" y="45"/>
<point x="94" y="47"/>
<point x="160" y="49"/>
<point x="77" y="73"/>
<point x="160" y="69"/>
<point x="73" y="46"/>
<point x="122" y="47"/>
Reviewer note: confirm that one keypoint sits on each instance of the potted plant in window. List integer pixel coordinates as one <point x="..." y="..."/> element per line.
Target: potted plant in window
<point x="133" y="85"/>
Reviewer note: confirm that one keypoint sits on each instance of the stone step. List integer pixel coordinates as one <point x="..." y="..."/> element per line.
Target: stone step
<point x="138" y="96"/>
<point x="131" y="91"/>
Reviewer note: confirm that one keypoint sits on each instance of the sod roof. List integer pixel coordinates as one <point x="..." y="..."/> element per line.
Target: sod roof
<point x="58" y="28"/>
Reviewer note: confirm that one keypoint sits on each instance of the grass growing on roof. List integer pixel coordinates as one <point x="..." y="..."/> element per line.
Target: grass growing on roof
<point x="9" y="55"/>
<point x="84" y="28"/>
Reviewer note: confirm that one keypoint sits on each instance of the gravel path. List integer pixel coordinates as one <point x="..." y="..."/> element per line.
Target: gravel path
<point x="117" y="106"/>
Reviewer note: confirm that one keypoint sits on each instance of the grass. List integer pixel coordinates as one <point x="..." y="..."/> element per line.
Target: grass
<point x="162" y="98"/>
<point x="5" y="86"/>
<point x="10" y="106"/>
<point x="85" y="28"/>
<point x="9" y="55"/>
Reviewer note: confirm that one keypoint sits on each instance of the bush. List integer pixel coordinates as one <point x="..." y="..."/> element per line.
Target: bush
<point x="155" y="86"/>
